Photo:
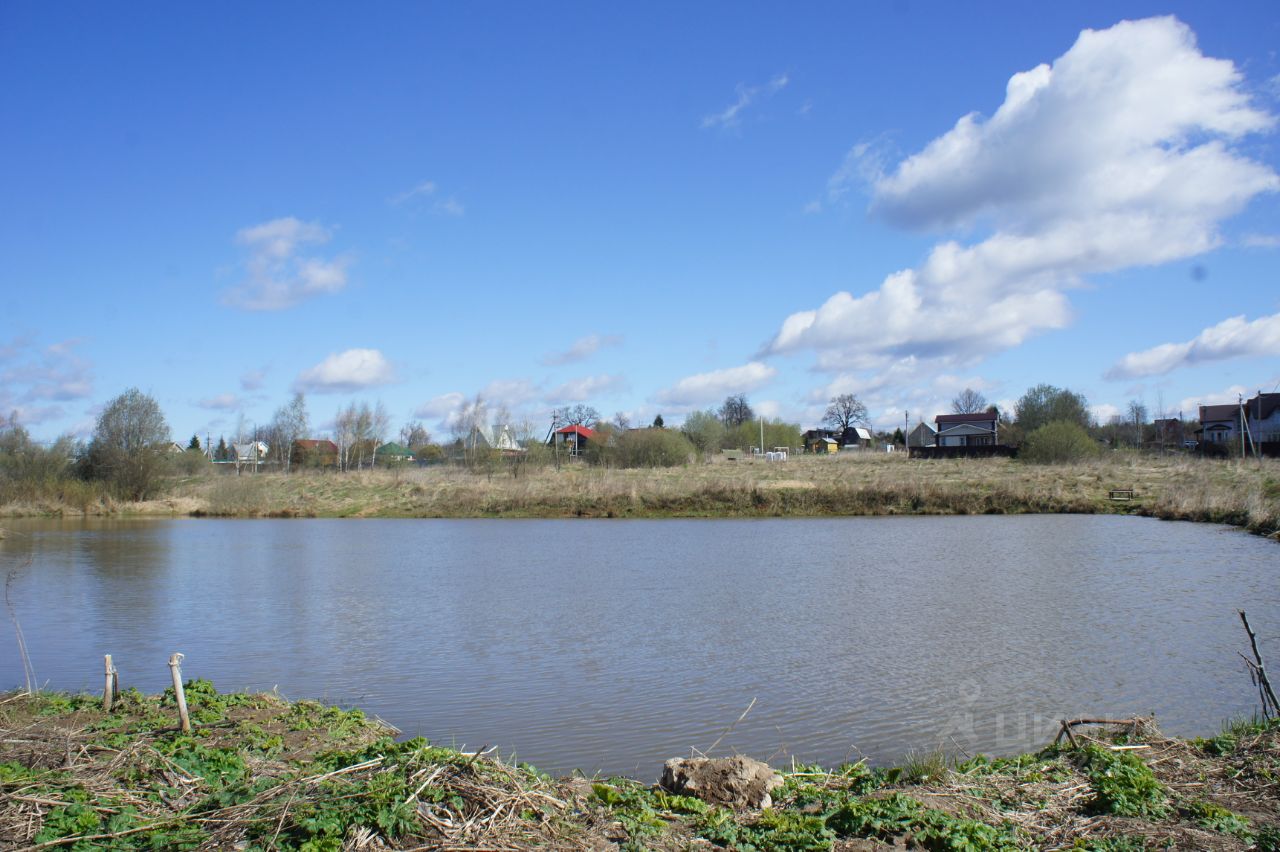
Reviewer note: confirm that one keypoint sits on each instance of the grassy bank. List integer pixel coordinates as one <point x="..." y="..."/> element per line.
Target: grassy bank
<point x="262" y="773"/>
<point x="1246" y="493"/>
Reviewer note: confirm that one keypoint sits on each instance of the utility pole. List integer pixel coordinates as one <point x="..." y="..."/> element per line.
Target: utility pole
<point x="761" y="434"/>
<point x="906" y="430"/>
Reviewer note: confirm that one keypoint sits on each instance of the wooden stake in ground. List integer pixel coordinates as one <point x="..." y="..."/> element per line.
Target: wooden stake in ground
<point x="1270" y="707"/>
<point x="175" y="668"/>
<point x="111" y="690"/>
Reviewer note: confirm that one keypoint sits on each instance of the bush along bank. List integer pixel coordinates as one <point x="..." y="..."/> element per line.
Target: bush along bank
<point x="260" y="773"/>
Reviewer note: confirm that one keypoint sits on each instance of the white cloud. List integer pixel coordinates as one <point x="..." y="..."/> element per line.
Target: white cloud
<point x="1103" y="412"/>
<point x="511" y="393"/>
<point x="427" y="187"/>
<point x="441" y="407"/>
<point x="586" y="388"/>
<point x="30" y="373"/>
<point x="277" y="274"/>
<point x="253" y="380"/>
<point x="582" y="348"/>
<point x="449" y="207"/>
<point x="221" y="402"/>
<point x="352" y="370"/>
<point x="730" y="116"/>
<point x="1266" y="241"/>
<point x="1190" y="406"/>
<point x="1232" y="338"/>
<point x="717" y="384"/>
<point x="1115" y="156"/>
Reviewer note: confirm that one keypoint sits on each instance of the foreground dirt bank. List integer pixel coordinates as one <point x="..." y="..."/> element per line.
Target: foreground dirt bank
<point x="262" y="773"/>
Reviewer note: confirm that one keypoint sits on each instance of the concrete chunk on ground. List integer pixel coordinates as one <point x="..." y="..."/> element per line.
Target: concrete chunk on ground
<point x="736" y="782"/>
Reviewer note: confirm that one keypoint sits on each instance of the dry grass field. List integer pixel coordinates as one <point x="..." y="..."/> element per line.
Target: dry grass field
<point x="1242" y="493"/>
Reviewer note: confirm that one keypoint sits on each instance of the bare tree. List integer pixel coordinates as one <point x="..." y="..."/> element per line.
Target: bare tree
<point x="379" y="423"/>
<point x="344" y="434"/>
<point x="735" y="411"/>
<point x="622" y="421"/>
<point x="574" y="415"/>
<point x="466" y="423"/>
<point x="968" y="401"/>
<point x="288" y="425"/>
<point x="845" y="411"/>
<point x="1137" y="418"/>
<point x="414" y="435"/>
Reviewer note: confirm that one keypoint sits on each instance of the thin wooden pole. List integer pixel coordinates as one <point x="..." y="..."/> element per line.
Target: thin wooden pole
<point x="175" y="669"/>
<point x="1260" y="671"/>
<point x="108" y="689"/>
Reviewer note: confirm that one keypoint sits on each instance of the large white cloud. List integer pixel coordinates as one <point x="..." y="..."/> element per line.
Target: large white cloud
<point x="352" y="370"/>
<point x="587" y="388"/>
<point x="1117" y="155"/>
<point x="582" y="348"/>
<point x="1235" y="337"/>
<point x="277" y="274"/>
<point x="717" y="384"/>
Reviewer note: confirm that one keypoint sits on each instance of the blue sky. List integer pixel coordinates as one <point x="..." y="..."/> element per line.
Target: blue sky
<point x="643" y="209"/>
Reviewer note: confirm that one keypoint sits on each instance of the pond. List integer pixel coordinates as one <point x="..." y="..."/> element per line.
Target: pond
<point x="609" y="646"/>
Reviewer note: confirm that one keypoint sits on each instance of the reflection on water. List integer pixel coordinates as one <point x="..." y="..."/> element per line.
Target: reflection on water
<point x="612" y="645"/>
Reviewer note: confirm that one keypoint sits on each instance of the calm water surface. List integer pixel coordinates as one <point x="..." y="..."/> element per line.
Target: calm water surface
<point x="612" y="645"/>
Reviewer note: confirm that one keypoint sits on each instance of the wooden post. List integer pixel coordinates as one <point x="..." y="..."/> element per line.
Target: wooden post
<point x="1259" y="671"/>
<point x="109" y="689"/>
<point x="175" y="668"/>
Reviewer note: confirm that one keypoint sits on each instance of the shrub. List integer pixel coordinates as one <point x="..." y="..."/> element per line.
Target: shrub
<point x="1059" y="442"/>
<point x="650" y="448"/>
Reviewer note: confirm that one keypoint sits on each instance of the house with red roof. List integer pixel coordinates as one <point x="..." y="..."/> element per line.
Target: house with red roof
<point x="573" y="439"/>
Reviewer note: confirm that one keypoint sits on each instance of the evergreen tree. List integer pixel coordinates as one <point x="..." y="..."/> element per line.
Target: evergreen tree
<point x="657" y="422"/>
<point x="194" y="444"/>
<point x="221" y="453"/>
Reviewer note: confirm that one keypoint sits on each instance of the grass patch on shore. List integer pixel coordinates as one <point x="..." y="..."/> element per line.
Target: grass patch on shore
<point x="261" y="773"/>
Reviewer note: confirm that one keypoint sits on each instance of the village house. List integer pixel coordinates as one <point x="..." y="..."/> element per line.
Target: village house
<point x="832" y="440"/>
<point x="494" y="437"/>
<point x="573" y="439"/>
<point x="923" y="435"/>
<point x="392" y="452"/>
<point x="967" y="430"/>
<point x="312" y="452"/>
<point x="249" y="453"/>
<point x="1263" y="416"/>
<point x="1219" y="424"/>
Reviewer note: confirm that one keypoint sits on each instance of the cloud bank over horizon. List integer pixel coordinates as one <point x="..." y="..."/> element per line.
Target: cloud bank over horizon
<point x="1118" y="155"/>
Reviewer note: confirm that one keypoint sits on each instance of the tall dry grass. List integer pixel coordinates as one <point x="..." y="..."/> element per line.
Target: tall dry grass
<point x="1243" y="493"/>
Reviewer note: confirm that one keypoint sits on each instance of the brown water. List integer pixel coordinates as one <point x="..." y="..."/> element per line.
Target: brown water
<point x="612" y="645"/>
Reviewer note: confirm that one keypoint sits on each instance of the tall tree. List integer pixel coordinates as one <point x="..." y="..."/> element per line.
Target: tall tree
<point x="845" y="411"/>
<point x="288" y="425"/>
<point x="705" y="431"/>
<point x="1137" y="418"/>
<point x="735" y="411"/>
<point x="1045" y="404"/>
<point x="379" y="423"/>
<point x="194" y="443"/>
<point x="968" y="401"/>
<point x="414" y="435"/>
<point x="657" y="422"/>
<point x="574" y="415"/>
<point x="344" y="434"/>
<point x="130" y="444"/>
